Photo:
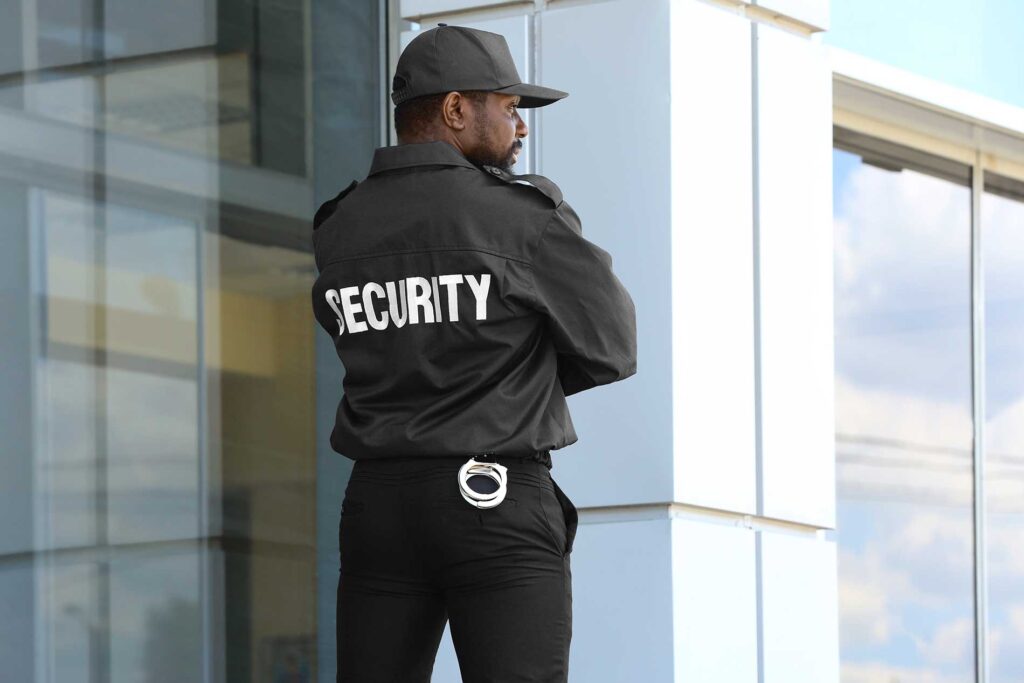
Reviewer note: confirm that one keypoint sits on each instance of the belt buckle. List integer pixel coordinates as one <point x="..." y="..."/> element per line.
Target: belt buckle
<point x="498" y="473"/>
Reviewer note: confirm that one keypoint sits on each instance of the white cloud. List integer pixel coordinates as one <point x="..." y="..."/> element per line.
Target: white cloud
<point x="913" y="464"/>
<point x="866" y="614"/>
<point x="880" y="672"/>
<point x="908" y="417"/>
<point x="951" y="643"/>
<point x="1016" y="620"/>
<point x="1005" y="540"/>
<point x="1004" y="480"/>
<point x="1005" y="430"/>
<point x="902" y="283"/>
<point x="1006" y="651"/>
<point x="892" y="229"/>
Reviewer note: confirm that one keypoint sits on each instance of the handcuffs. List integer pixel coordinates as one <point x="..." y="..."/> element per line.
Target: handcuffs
<point x="497" y="472"/>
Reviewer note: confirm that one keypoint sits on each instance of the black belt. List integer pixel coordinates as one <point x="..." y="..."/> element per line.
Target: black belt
<point x="543" y="457"/>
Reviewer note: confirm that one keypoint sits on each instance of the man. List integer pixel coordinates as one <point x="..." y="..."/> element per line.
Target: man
<point x="465" y="305"/>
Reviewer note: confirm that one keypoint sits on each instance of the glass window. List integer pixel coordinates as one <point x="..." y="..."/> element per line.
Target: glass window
<point x="169" y="499"/>
<point x="902" y="228"/>
<point x="1002" y="224"/>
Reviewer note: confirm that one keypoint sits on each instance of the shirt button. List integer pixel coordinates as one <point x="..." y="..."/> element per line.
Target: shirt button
<point x="495" y="170"/>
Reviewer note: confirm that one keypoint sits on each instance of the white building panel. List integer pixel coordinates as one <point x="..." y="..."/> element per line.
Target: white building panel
<point x="414" y="9"/>
<point x="715" y="602"/>
<point x="622" y="614"/>
<point x="813" y="12"/>
<point x="794" y="139"/>
<point x="800" y="609"/>
<point x="607" y="147"/>
<point x="712" y="258"/>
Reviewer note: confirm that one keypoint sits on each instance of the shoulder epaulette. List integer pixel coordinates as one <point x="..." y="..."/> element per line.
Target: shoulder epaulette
<point x="541" y="183"/>
<point x="327" y="208"/>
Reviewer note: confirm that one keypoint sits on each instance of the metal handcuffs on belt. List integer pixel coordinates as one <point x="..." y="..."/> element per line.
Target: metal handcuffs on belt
<point x="497" y="472"/>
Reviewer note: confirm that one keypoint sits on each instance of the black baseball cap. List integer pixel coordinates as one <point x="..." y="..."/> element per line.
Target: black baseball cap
<point x="447" y="58"/>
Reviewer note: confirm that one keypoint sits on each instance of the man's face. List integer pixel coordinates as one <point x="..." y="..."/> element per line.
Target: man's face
<point x="498" y="130"/>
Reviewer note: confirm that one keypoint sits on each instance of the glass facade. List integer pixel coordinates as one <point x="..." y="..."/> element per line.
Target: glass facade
<point x="906" y="467"/>
<point x="903" y="419"/>
<point x="1002" y="218"/>
<point x="170" y="506"/>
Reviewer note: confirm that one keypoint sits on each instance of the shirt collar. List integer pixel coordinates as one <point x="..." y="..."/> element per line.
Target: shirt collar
<point x="418" y="154"/>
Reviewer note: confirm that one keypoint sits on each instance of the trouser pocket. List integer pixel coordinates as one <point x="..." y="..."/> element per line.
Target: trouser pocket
<point x="571" y="516"/>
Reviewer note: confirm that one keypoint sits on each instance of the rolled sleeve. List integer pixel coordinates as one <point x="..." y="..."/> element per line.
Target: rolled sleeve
<point x="589" y="313"/>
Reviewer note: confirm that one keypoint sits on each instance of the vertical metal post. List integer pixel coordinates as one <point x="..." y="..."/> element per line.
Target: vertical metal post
<point x="100" y="643"/>
<point x="533" y="75"/>
<point x="756" y="265"/>
<point x="207" y="594"/>
<point x="389" y="28"/>
<point x="978" y="410"/>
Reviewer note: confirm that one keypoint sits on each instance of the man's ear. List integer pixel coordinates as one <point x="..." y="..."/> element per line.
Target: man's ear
<point x="453" y="110"/>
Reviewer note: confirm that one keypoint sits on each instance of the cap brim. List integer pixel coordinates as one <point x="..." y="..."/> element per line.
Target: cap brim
<point x="533" y="95"/>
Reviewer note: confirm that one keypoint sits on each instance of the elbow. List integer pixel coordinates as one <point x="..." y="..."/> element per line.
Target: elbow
<point x="627" y="362"/>
<point x="627" y="368"/>
<point x="620" y="363"/>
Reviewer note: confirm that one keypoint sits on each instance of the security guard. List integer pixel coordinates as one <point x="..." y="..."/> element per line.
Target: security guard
<point x="465" y="305"/>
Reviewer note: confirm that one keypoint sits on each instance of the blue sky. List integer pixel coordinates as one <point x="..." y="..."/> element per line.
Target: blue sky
<point x="971" y="44"/>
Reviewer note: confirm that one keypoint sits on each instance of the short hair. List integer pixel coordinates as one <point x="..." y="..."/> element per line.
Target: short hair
<point x="418" y="116"/>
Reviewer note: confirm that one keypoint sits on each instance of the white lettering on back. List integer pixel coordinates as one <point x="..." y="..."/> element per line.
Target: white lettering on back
<point x="410" y="300"/>
<point x="420" y="299"/>
<point x="480" y="292"/>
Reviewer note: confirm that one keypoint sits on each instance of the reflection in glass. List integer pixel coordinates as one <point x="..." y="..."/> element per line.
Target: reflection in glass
<point x="134" y="278"/>
<point x="903" y="424"/>
<point x="158" y="464"/>
<point x="1002" y="223"/>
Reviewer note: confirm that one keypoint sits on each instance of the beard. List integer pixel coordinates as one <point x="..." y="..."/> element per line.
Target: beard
<point x="489" y="153"/>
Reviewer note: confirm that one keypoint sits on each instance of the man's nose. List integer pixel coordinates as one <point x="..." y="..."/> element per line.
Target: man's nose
<point x="522" y="130"/>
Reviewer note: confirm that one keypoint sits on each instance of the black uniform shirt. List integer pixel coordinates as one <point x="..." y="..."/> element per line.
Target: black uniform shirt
<point x="465" y="305"/>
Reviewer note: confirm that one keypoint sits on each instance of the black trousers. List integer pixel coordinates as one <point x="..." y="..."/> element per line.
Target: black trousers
<point x="415" y="554"/>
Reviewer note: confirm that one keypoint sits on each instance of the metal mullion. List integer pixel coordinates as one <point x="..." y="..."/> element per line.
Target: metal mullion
<point x="207" y="587"/>
<point x="978" y="409"/>
<point x="755" y="118"/>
